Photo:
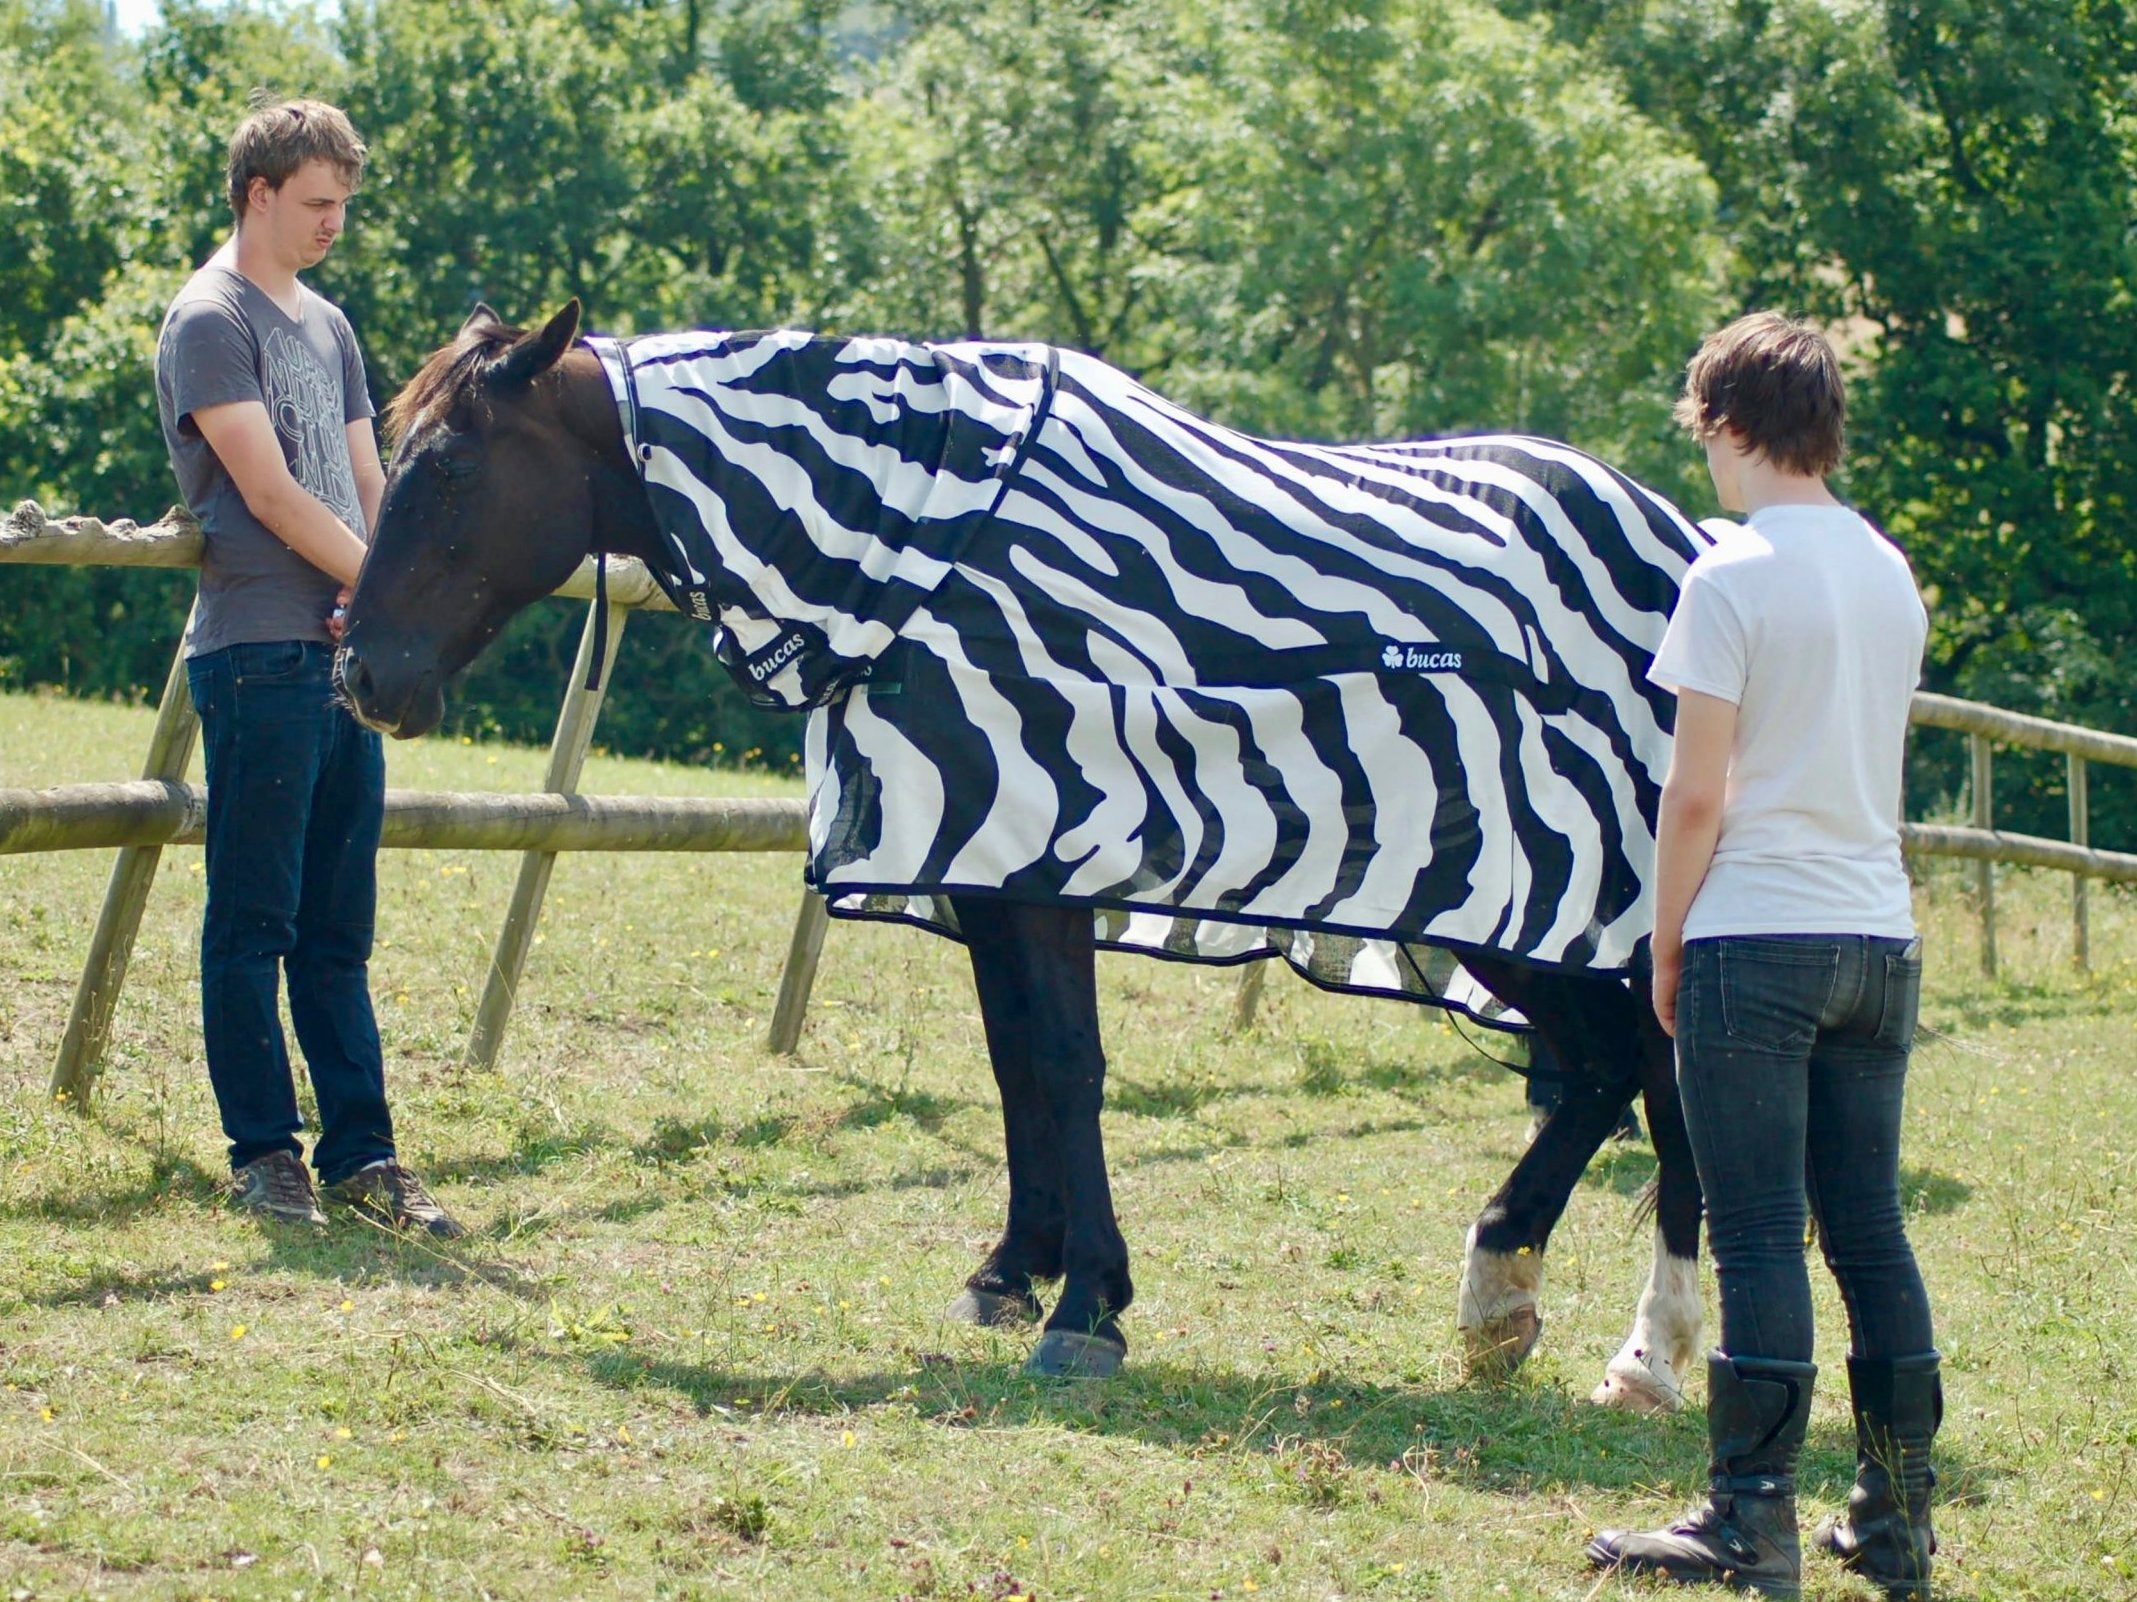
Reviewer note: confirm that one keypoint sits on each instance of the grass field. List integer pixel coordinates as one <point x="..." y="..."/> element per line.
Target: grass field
<point x="691" y="1346"/>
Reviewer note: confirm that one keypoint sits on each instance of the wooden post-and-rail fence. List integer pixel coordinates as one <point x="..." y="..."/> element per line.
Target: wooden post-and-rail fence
<point x="1986" y="727"/>
<point x="160" y="808"/>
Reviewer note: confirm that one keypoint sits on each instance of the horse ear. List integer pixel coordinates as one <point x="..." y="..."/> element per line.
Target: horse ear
<point x="534" y="354"/>
<point x="483" y="316"/>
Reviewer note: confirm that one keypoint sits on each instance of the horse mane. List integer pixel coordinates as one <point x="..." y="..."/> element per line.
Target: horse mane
<point x="451" y="370"/>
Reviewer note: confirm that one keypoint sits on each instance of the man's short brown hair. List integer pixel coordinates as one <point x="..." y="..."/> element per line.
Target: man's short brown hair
<point x="281" y="136"/>
<point x="1775" y="381"/>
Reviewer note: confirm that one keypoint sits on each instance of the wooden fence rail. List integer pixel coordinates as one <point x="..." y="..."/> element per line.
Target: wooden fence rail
<point x="160" y="812"/>
<point x="160" y="809"/>
<point x="142" y="817"/>
<point x="1988" y="726"/>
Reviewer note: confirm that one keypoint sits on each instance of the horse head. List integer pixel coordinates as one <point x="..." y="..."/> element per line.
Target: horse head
<point x="506" y="444"/>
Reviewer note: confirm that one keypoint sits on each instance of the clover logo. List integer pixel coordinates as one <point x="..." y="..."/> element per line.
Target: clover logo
<point x="1391" y="657"/>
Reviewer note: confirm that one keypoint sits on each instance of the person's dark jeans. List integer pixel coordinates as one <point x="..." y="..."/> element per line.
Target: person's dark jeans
<point x="296" y="798"/>
<point x="1792" y="1059"/>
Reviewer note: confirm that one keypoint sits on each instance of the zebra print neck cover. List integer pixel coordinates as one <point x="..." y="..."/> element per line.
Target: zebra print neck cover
<point x="1359" y="705"/>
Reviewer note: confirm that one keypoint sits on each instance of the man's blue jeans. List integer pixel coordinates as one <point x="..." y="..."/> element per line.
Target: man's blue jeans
<point x="1792" y="1059"/>
<point x="296" y="797"/>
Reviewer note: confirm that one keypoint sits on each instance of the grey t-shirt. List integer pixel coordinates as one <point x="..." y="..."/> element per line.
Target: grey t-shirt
<point x="224" y="339"/>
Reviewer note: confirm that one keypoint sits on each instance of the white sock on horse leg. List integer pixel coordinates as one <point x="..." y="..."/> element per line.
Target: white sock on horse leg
<point x="1648" y="1372"/>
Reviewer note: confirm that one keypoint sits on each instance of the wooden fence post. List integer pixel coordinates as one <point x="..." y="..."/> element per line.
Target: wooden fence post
<point x="799" y="979"/>
<point x="2080" y="834"/>
<point x="567" y="756"/>
<point x="1248" y="999"/>
<point x="1985" y="870"/>
<point x="81" y="1053"/>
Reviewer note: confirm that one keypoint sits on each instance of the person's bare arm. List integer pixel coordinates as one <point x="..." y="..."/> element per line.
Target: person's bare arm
<point x="370" y="477"/>
<point x="1689" y="827"/>
<point x="369" y="470"/>
<point x="243" y="439"/>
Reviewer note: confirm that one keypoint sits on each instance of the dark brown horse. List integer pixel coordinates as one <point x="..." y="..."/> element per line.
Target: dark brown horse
<point x="511" y="467"/>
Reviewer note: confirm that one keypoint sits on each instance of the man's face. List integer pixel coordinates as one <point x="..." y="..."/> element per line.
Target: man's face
<point x="300" y="221"/>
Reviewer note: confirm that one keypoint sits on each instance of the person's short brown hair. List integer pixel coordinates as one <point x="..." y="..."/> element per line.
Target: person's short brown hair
<point x="1775" y="381"/>
<point x="281" y="136"/>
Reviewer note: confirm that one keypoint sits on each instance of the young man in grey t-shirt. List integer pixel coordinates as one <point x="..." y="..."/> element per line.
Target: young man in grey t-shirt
<point x="268" y="421"/>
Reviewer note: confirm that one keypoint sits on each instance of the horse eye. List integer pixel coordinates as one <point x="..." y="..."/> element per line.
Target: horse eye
<point x="457" y="464"/>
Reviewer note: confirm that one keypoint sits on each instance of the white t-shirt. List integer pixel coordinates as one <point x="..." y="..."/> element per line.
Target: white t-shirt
<point x="1807" y="618"/>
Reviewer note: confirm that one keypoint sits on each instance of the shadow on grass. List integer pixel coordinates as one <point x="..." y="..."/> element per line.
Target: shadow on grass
<point x="348" y="1249"/>
<point x="1402" y="1078"/>
<point x="532" y="1151"/>
<point x="2011" y="1003"/>
<point x="882" y="1104"/>
<point x="169" y="1179"/>
<point x="1924" y="1190"/>
<point x="1324" y="1069"/>
<point x="1322" y="1440"/>
<point x="1621" y="1166"/>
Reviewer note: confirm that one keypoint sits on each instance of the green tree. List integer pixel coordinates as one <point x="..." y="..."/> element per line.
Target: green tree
<point x="1422" y="218"/>
<point x="64" y="180"/>
<point x="1952" y="186"/>
<point x="1016" y="176"/>
<point x="111" y="186"/>
<point x="1375" y="218"/>
<point x="497" y="165"/>
<point x="738" y="180"/>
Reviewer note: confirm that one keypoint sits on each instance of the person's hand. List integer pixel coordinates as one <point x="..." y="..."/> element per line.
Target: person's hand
<point x="337" y="621"/>
<point x="1669" y="967"/>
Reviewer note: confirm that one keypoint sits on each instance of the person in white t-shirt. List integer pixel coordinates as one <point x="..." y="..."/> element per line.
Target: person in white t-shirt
<point x="1786" y="967"/>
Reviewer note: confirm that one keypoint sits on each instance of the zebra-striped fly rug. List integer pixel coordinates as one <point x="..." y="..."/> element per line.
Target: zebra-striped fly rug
<point x="1364" y="706"/>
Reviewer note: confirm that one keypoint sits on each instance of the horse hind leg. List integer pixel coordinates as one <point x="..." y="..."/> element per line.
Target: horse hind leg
<point x="1648" y="1371"/>
<point x="1589" y="1026"/>
<point x="1499" y="1308"/>
<point x="1647" y="1374"/>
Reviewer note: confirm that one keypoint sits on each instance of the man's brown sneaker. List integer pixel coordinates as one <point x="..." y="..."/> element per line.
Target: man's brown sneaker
<point x="392" y="1195"/>
<point x="277" y="1186"/>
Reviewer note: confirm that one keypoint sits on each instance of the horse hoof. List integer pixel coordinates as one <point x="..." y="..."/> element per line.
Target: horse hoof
<point x="1637" y="1389"/>
<point x="992" y="1310"/>
<point x="1067" y="1354"/>
<point x="1498" y="1346"/>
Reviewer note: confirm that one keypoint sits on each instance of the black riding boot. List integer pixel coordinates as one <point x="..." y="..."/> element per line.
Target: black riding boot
<point x="1744" y="1534"/>
<point x="1886" y="1537"/>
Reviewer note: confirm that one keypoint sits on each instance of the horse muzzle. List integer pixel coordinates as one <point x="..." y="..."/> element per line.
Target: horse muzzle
<point x="390" y="694"/>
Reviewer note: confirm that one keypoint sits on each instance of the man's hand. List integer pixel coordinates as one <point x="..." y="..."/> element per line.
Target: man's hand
<point x="337" y="621"/>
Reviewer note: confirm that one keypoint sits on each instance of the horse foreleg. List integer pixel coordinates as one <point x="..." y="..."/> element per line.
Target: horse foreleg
<point x="1649" y="1369"/>
<point x="1003" y="1290"/>
<point x="1036" y="971"/>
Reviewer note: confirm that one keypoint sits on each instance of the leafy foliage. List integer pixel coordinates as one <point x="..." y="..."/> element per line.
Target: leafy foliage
<point x="1953" y="185"/>
<point x="1331" y="218"/>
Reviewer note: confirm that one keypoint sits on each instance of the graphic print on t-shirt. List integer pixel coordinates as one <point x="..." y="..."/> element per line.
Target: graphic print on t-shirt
<point x="306" y="405"/>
